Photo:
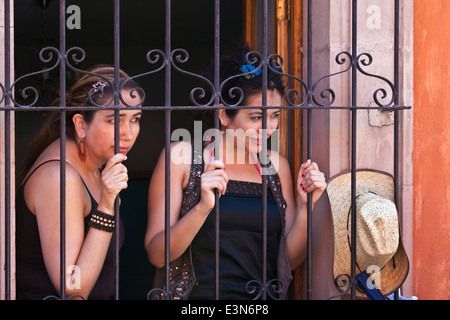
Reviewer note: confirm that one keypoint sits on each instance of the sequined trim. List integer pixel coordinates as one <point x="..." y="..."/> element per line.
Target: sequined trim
<point x="244" y="187"/>
<point x="191" y="192"/>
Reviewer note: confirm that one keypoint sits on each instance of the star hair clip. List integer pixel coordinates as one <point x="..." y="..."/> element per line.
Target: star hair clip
<point x="99" y="86"/>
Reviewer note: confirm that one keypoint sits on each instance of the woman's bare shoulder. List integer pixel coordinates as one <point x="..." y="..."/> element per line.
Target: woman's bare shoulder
<point x="44" y="185"/>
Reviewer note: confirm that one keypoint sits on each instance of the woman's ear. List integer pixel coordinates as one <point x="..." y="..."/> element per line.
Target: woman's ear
<point x="80" y="125"/>
<point x="224" y="119"/>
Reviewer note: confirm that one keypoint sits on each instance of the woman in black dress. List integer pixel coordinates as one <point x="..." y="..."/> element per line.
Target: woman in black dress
<point x="90" y="193"/>
<point x="192" y="185"/>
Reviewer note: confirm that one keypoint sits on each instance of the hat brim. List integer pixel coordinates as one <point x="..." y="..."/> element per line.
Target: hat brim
<point x="394" y="273"/>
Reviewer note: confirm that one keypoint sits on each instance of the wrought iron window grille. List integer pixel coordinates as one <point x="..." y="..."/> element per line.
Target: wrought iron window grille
<point x="170" y="60"/>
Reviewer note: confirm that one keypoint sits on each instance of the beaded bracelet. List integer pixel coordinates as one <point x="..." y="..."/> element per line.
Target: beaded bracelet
<point x="102" y="221"/>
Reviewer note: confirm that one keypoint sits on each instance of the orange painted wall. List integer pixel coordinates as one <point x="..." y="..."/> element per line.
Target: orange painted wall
<point x="431" y="155"/>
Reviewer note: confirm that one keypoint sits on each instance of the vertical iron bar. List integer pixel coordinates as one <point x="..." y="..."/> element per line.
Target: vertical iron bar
<point x="264" y="147"/>
<point x="116" y="137"/>
<point x="309" y="154"/>
<point x="353" y="157"/>
<point x="7" y="154"/>
<point x="167" y="115"/>
<point x="62" y="89"/>
<point x="396" y="115"/>
<point x="289" y="84"/>
<point x="216" y="154"/>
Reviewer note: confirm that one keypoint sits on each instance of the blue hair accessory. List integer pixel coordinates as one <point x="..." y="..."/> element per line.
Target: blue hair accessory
<point x="99" y="86"/>
<point x="250" y="69"/>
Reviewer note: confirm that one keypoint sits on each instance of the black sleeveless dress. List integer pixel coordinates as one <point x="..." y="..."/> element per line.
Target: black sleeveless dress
<point x="191" y="276"/>
<point x="32" y="279"/>
<point x="241" y="244"/>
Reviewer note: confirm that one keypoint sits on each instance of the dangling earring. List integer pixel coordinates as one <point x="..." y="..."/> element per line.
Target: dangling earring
<point x="82" y="150"/>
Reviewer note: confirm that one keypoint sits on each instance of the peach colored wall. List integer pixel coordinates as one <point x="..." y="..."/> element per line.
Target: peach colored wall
<point x="431" y="155"/>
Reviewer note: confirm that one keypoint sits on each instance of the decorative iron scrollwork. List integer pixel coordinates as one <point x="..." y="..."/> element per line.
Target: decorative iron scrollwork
<point x="340" y="282"/>
<point x="328" y="93"/>
<point x="53" y="297"/>
<point x="272" y="288"/>
<point x="182" y="56"/>
<point x="46" y="55"/>
<point x="153" y="56"/>
<point x="361" y="61"/>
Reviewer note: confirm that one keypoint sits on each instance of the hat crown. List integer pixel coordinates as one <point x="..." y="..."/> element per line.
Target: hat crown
<point x="377" y="235"/>
<point x="368" y="183"/>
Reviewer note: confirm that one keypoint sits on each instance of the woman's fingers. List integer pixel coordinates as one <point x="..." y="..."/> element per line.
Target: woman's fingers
<point x="117" y="158"/>
<point x="321" y="185"/>
<point x="310" y="179"/>
<point x="215" y="179"/>
<point x="302" y="171"/>
<point x="216" y="182"/>
<point x="215" y="176"/>
<point x="115" y="174"/>
<point x="216" y="164"/>
<point x="114" y="179"/>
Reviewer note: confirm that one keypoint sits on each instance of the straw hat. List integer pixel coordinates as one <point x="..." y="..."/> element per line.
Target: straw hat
<point x="378" y="240"/>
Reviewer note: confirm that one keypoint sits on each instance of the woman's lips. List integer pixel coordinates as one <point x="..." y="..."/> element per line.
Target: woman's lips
<point x="124" y="150"/>
<point x="258" y="142"/>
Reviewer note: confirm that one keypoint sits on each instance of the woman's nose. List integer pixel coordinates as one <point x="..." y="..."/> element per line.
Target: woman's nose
<point x="271" y="127"/>
<point x="125" y="131"/>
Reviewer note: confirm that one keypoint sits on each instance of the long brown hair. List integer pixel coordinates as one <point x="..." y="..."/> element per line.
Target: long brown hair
<point x="80" y="94"/>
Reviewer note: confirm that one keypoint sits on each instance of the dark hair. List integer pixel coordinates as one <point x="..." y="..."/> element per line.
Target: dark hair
<point x="230" y="65"/>
<point x="78" y="95"/>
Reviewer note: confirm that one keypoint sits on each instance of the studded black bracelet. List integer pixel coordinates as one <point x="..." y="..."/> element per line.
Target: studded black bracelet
<point x="102" y="221"/>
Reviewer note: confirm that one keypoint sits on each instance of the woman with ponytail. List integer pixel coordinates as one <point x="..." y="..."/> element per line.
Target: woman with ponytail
<point x="94" y="177"/>
<point x="232" y="165"/>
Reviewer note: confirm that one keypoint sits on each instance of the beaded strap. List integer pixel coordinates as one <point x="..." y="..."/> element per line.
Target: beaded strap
<point x="102" y="221"/>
